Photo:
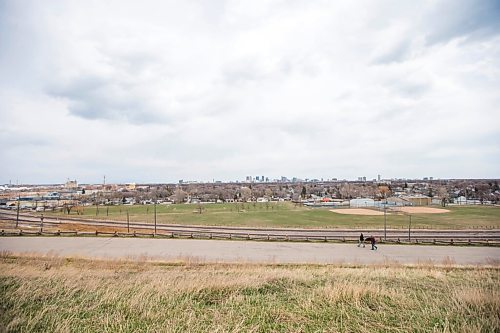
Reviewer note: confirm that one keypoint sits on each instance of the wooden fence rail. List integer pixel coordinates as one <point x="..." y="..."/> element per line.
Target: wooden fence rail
<point x="261" y="237"/>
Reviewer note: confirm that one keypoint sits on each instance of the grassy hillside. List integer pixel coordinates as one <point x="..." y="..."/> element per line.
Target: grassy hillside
<point x="290" y="215"/>
<point x="54" y="295"/>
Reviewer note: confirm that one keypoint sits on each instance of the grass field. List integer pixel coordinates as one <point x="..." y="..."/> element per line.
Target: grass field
<point x="290" y="215"/>
<point x="59" y="295"/>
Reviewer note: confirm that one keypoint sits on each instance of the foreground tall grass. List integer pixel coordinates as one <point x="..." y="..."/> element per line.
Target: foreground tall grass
<point x="54" y="295"/>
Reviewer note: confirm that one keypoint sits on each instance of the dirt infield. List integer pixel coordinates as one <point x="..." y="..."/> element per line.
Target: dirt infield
<point x="356" y="211"/>
<point x="423" y="210"/>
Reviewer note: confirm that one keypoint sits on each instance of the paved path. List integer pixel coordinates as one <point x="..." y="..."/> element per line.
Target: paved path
<point x="247" y="251"/>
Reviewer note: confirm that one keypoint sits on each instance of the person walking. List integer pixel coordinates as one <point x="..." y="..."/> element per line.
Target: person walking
<point x="372" y="241"/>
<point x="361" y="240"/>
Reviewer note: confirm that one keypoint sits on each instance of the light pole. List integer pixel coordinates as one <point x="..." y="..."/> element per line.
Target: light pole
<point x="155" y="215"/>
<point x="409" y="230"/>
<point x="385" y="223"/>
<point x="128" y="223"/>
<point x="17" y="217"/>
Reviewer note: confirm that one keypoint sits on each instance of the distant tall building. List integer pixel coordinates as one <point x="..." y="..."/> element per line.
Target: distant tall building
<point x="378" y="178"/>
<point x="71" y="184"/>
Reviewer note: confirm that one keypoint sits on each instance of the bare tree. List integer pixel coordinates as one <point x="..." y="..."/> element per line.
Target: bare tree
<point x="180" y="195"/>
<point x="246" y="193"/>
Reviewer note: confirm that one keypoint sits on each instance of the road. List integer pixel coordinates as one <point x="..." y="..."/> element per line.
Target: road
<point x="246" y="251"/>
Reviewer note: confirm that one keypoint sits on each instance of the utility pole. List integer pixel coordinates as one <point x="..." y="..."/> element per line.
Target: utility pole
<point x="128" y="223"/>
<point x="409" y="230"/>
<point x="155" y="215"/>
<point x="96" y="204"/>
<point x="17" y="218"/>
<point x="385" y="223"/>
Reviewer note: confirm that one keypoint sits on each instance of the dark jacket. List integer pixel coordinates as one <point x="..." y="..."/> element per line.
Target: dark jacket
<point x="361" y="237"/>
<point x="370" y="239"/>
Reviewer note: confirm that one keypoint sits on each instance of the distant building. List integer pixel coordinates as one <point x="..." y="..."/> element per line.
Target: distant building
<point x="397" y="201"/>
<point x="418" y="200"/>
<point x="362" y="202"/>
<point x="71" y="184"/>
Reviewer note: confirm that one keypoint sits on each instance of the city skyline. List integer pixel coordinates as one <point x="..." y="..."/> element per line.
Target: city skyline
<point x="246" y="180"/>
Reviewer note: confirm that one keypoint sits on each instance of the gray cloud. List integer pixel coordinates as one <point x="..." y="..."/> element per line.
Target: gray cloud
<point x="95" y="98"/>
<point x="465" y="18"/>
<point x="160" y="91"/>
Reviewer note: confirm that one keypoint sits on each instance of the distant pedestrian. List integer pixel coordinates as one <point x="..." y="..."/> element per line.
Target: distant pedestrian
<point x="372" y="241"/>
<point x="361" y="240"/>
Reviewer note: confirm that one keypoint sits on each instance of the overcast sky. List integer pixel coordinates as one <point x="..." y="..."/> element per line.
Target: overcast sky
<point x="157" y="91"/>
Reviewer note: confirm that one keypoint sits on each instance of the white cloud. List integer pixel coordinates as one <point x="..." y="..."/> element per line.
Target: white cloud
<point x="159" y="91"/>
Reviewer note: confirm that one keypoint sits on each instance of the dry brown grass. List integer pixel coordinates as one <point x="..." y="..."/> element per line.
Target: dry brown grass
<point x="9" y="226"/>
<point x="58" y="294"/>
